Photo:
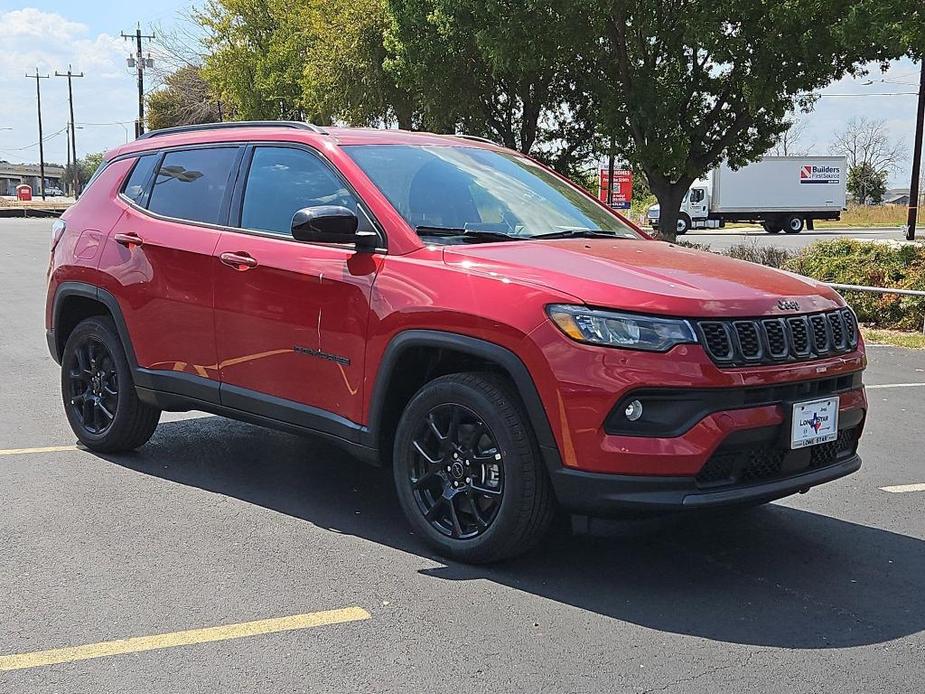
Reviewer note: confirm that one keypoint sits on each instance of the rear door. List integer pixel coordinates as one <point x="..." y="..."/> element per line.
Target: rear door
<point x="291" y="317"/>
<point x="161" y="254"/>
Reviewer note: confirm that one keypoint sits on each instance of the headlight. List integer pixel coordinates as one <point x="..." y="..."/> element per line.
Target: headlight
<point x="626" y="330"/>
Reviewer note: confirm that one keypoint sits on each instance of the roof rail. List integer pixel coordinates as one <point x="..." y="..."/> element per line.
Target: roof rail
<point x="478" y="139"/>
<point x="298" y="125"/>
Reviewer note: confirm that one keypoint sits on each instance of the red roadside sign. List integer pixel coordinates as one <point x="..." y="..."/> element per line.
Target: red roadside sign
<point x="622" y="189"/>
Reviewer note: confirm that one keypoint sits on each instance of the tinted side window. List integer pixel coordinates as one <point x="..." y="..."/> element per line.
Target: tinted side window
<point x="191" y="184"/>
<point x="283" y="180"/>
<point x="137" y="187"/>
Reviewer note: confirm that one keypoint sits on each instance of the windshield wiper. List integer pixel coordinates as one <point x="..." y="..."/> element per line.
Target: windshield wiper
<point x="578" y="234"/>
<point x="478" y="234"/>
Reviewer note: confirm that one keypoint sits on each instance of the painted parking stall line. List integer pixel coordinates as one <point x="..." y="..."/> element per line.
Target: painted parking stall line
<point x="44" y="449"/>
<point x="139" y="644"/>
<point x="903" y="488"/>
<point x="895" y="385"/>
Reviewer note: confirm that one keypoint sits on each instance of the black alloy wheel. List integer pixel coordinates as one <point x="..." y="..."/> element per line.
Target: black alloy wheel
<point x="93" y="385"/>
<point x="457" y="478"/>
<point x="468" y="470"/>
<point x="100" y="400"/>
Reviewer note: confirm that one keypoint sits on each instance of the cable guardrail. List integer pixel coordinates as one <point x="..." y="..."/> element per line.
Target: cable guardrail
<point x="878" y="290"/>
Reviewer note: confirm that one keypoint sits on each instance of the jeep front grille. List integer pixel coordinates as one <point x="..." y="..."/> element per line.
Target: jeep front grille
<point x="773" y="340"/>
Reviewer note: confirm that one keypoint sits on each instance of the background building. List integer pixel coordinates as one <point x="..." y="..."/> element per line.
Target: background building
<point x="11" y="175"/>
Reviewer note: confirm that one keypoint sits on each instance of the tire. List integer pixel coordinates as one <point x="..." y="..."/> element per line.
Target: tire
<point x="98" y="391"/>
<point x="684" y="224"/>
<point x="793" y="225"/>
<point x="502" y="502"/>
<point x="771" y="228"/>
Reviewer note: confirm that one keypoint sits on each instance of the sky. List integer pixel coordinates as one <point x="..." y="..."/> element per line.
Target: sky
<point x="85" y="34"/>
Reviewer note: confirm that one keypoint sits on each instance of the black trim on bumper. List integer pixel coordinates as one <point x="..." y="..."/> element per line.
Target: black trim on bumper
<point x="669" y="412"/>
<point x="597" y="494"/>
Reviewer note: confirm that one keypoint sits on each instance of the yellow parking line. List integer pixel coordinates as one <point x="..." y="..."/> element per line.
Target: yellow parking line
<point x="181" y="638"/>
<point x="46" y="449"/>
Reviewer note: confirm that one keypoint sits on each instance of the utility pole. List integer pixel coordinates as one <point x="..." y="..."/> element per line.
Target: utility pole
<point x="69" y="167"/>
<point x="38" y="97"/>
<point x="916" y="158"/>
<point x="75" y="172"/>
<point x="140" y="63"/>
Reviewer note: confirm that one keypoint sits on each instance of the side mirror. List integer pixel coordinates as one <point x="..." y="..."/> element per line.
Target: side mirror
<point x="330" y="224"/>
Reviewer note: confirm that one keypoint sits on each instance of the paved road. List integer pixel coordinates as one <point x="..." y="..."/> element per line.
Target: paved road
<point x="219" y="523"/>
<point x="719" y="240"/>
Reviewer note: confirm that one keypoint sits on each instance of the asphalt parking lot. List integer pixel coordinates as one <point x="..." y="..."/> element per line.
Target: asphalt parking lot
<point x="240" y="559"/>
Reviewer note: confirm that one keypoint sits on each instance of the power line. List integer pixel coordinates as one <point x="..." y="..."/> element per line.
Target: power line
<point x="829" y="96"/>
<point x="35" y="144"/>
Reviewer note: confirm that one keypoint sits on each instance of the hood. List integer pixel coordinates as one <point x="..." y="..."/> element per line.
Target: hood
<point x="647" y="277"/>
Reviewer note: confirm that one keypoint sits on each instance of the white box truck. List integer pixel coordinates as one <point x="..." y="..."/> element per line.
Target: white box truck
<point x="780" y="193"/>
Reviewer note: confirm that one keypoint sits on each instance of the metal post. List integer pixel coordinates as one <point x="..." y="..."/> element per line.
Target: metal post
<point x="38" y="99"/>
<point x="916" y="159"/>
<point x="610" y="164"/>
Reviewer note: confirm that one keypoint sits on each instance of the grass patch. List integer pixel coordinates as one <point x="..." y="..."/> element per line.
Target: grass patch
<point x="897" y="338"/>
<point x="868" y="216"/>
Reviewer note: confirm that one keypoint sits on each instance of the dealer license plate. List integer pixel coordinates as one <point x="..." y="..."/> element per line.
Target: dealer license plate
<point x="814" y="422"/>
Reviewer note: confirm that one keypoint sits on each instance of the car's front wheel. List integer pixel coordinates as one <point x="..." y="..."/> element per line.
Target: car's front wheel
<point x="99" y="394"/>
<point x="468" y="472"/>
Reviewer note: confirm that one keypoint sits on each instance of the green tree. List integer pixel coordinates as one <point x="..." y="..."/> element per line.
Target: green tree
<point x="495" y="68"/>
<point x="682" y="85"/>
<point x="866" y="184"/>
<point x="256" y="55"/>
<point x="344" y="73"/>
<point x="85" y="168"/>
<point x="183" y="99"/>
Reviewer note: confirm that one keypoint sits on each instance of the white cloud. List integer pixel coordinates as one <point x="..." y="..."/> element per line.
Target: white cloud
<point x="30" y="39"/>
<point x="30" y="22"/>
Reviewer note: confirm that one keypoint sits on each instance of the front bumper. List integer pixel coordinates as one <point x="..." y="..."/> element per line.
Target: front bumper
<point x="750" y="466"/>
<point x="597" y="494"/>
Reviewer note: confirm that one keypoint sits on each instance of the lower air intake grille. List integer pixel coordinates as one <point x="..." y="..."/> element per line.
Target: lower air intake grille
<point x="762" y="463"/>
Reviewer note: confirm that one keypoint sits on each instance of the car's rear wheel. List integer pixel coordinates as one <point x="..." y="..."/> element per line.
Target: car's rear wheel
<point x="468" y="472"/>
<point x="99" y="394"/>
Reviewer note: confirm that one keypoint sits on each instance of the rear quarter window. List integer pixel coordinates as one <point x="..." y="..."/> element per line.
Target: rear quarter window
<point x="192" y="184"/>
<point x="138" y="186"/>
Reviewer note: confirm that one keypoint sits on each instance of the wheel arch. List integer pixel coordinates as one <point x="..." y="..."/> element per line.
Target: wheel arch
<point x="402" y="371"/>
<point x="76" y="301"/>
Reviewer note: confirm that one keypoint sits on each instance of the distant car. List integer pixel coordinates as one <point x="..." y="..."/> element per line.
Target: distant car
<point x="454" y="309"/>
<point x="54" y="191"/>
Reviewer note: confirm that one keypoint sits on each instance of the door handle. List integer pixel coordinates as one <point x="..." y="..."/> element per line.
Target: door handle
<point x="240" y="261"/>
<point x="129" y="240"/>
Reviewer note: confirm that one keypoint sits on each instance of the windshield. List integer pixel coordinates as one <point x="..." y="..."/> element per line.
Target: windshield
<point x="455" y="194"/>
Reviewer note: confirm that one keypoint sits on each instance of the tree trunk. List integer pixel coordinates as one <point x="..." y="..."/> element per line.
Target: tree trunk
<point x="404" y="116"/>
<point x="669" y="196"/>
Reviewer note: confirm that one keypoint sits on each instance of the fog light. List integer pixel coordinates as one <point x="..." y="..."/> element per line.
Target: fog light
<point x="633" y="411"/>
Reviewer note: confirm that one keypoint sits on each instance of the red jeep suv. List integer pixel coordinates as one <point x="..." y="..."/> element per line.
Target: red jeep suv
<point x="506" y="342"/>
